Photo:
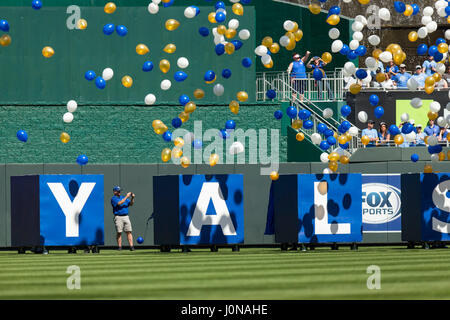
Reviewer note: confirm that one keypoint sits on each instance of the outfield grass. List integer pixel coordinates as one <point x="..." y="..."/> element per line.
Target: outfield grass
<point x="248" y="274"/>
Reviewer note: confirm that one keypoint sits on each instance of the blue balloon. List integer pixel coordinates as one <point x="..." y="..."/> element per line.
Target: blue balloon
<point x="203" y="31"/>
<point x="89" y="75"/>
<point x="230" y="125"/>
<point x="271" y="94"/>
<point x="176" y="122"/>
<point x="226" y="73"/>
<point x="121" y="30"/>
<point x="278" y="114"/>
<point x="346" y="110"/>
<point x="219" y="5"/>
<point x="345" y="50"/>
<point x="140" y="240"/>
<point x="351" y="55"/>
<point x="304" y="114"/>
<point x="374" y="100"/>
<point x="36" y="4"/>
<point x="82" y="159"/>
<point x="180" y="76"/>
<point x="324" y="145"/>
<point x="416" y="9"/>
<point x="220" y="16"/>
<point x="238" y="44"/>
<point x="308" y="124"/>
<point x="323" y="1"/>
<point x="334" y="10"/>
<point x="414" y="157"/>
<point x="100" y="83"/>
<point x="247" y="62"/>
<point x="22" y="135"/>
<point x="361" y="50"/>
<point x="168" y="4"/>
<point x="291" y="112"/>
<point x="4" y="25"/>
<point x="331" y="141"/>
<point x="209" y="75"/>
<point x="108" y="29"/>
<point x="183" y="99"/>
<point x="341" y="128"/>
<point x="224" y="134"/>
<point x="394" y="130"/>
<point x="344" y="146"/>
<point x="197" y="144"/>
<point x="167" y="136"/>
<point x="422" y="49"/>
<point x="447" y="10"/>
<point x="317" y="74"/>
<point x="197" y="10"/>
<point x="407" y="128"/>
<point x="148" y="66"/>
<point x="321" y="128"/>
<point x="438" y="56"/>
<point x="440" y="40"/>
<point x="361" y="74"/>
<point x="432" y="50"/>
<point x="346" y="125"/>
<point x="220" y="49"/>
<point x="328" y="133"/>
<point x="434" y="149"/>
<point x="379" y="111"/>
<point x="399" y="6"/>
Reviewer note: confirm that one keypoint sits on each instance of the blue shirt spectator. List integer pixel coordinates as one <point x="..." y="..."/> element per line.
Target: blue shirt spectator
<point x="419" y="77"/>
<point x="429" y="66"/>
<point x="432" y="129"/>
<point x="405" y="143"/>
<point x="420" y="136"/>
<point x="443" y="134"/>
<point x="392" y="68"/>
<point x="402" y="77"/>
<point x="371" y="133"/>
<point x="120" y="209"/>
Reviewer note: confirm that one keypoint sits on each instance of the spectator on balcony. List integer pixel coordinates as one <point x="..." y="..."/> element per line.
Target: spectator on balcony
<point x="419" y="77"/>
<point x="429" y="66"/>
<point x="392" y="69"/>
<point x="318" y="63"/>
<point x="443" y="134"/>
<point x="432" y="129"/>
<point x="297" y="71"/>
<point x="371" y="133"/>
<point x="420" y="136"/>
<point x="401" y="78"/>
<point x="383" y="135"/>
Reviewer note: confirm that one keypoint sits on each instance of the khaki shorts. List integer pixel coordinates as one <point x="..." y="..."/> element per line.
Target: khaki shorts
<point x="122" y="223"/>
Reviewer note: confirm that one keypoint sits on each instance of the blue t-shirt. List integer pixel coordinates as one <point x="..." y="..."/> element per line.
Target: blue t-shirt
<point x="429" y="131"/>
<point x="121" y="210"/>
<point x="420" y="138"/>
<point x="428" y="65"/>
<point x="371" y="133"/>
<point x="401" y="79"/>
<point x="298" y="70"/>
<point x="420" y="78"/>
<point x="394" y="69"/>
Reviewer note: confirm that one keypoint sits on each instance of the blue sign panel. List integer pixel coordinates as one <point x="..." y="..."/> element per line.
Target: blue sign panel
<point x="435" y="206"/>
<point x="211" y="209"/>
<point x="381" y="203"/>
<point x="71" y="210"/>
<point x="329" y="208"/>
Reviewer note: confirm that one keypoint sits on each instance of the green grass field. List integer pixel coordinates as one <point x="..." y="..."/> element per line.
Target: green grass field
<point x="248" y="274"/>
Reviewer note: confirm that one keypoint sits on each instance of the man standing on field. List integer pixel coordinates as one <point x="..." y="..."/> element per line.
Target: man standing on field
<point x="121" y="220"/>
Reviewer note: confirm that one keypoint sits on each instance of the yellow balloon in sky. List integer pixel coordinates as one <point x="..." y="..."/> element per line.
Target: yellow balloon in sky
<point x="274" y="48"/>
<point x="5" y="40"/>
<point x="448" y="19"/>
<point x="164" y="65"/>
<point x="314" y="8"/>
<point x="242" y="96"/>
<point x="166" y="154"/>
<point x="213" y="159"/>
<point x="234" y="107"/>
<point x="295" y="28"/>
<point x="355" y="88"/>
<point x="185" y="162"/>
<point x="229" y="48"/>
<point x="64" y="137"/>
<point x="221" y="29"/>
<point x="408" y="11"/>
<point x="413" y="36"/>
<point x="428" y="169"/>
<point x="429" y="81"/>
<point x="178" y="142"/>
<point x="334" y="156"/>
<point x="437" y="77"/>
<point x="212" y="17"/>
<point x="267" y="42"/>
<point x="376" y="53"/>
<point x="298" y="34"/>
<point x="342" y="139"/>
<point x="199" y="94"/>
<point x="443" y="47"/>
<point x="398" y="139"/>
<point x="365" y="140"/>
<point x="300" y="136"/>
<point x="110" y="7"/>
<point x="398" y="59"/>
<point x="127" y="81"/>
<point x="432" y="115"/>
<point x="380" y="77"/>
<point x="190" y="107"/>
<point x="238" y="9"/>
<point x="48" y="52"/>
<point x="274" y="176"/>
<point x="156" y="123"/>
<point x="172" y="24"/>
<point x="230" y="33"/>
<point x="269" y="65"/>
<point x="160" y="129"/>
<point x="333" y="165"/>
<point x="326" y="57"/>
<point x="82" y="24"/>
<point x="177" y="152"/>
<point x="364" y="1"/>
<point x="333" y="19"/>
<point x="344" y="159"/>
<point x="291" y="46"/>
<point x="141" y="49"/>
<point x="297" y="124"/>
<point x="183" y="116"/>
<point x="170" y="48"/>
<point x="429" y="89"/>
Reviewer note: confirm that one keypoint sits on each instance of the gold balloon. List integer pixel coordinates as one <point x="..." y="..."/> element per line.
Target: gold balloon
<point x="230" y="33"/>
<point x="178" y="142"/>
<point x="432" y="115"/>
<point x="177" y="152"/>
<point x="344" y="159"/>
<point x="213" y="159"/>
<point x="212" y="17"/>
<point x="164" y="65"/>
<point x="274" y="175"/>
<point x="141" y="49"/>
<point x="428" y="169"/>
<point x="413" y="36"/>
<point x="448" y="152"/>
<point x="229" y="48"/>
<point x="408" y="11"/>
<point x="365" y="140"/>
<point x="267" y="42"/>
<point x="448" y="19"/>
<point x="429" y="89"/>
<point x="274" y="48"/>
<point x="5" y="40"/>
<point x="297" y="124"/>
<point x="172" y="24"/>
<point x="156" y="123"/>
<point x="342" y="139"/>
<point x="326" y="57"/>
<point x="397" y="59"/>
<point x="238" y="9"/>
<point x="185" y="162"/>
<point x="127" y="81"/>
<point x="166" y="154"/>
<point x="64" y="137"/>
<point x="333" y="19"/>
<point x="334" y="156"/>
<point x="269" y="65"/>
<point x="425" y="139"/>
<point x="221" y="29"/>
<point x="199" y="94"/>
<point x="48" y="52"/>
<point x="170" y="48"/>
<point x="398" y="139"/>
<point x="348" y="136"/>
<point x="333" y="165"/>
<point x="295" y="28"/>
<point x="437" y="77"/>
<point x="291" y="46"/>
<point x="393" y="48"/>
<point x="300" y="136"/>
<point x="110" y="7"/>
<point x="190" y="107"/>
<point x="380" y="77"/>
<point x="234" y="107"/>
<point x="242" y="96"/>
<point x="165" y="1"/>
<point x="376" y="53"/>
<point x="355" y="88"/>
<point x="183" y="116"/>
<point x="448" y="138"/>
<point x="429" y="81"/>
<point x="322" y="187"/>
<point x="298" y="34"/>
<point x="81" y="24"/>
<point x="160" y="129"/>
<point x="364" y="1"/>
<point x="441" y="156"/>
<point x="314" y="8"/>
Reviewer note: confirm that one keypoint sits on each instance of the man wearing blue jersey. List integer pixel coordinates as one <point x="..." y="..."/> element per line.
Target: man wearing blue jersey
<point x="297" y="72"/>
<point x="122" y="222"/>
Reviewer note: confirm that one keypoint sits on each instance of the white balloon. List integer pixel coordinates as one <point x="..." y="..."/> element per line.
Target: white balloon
<point x="68" y="117"/>
<point x="266" y="59"/>
<point x="353" y="131"/>
<point x="233" y="24"/>
<point x="166" y="84"/>
<point x="350" y="67"/>
<point x="324" y="157"/>
<point x="440" y="68"/>
<point x="334" y="33"/>
<point x="374" y="40"/>
<point x="434" y="157"/>
<point x="336" y="46"/>
<point x="190" y="12"/>
<point x="447" y="118"/>
<point x="447" y="34"/>
<point x="431" y="27"/>
<point x="327" y="113"/>
<point x="441" y="12"/>
<point x="316" y="138"/>
<point x="107" y="74"/>
<point x="188" y="138"/>
<point x="361" y="19"/>
<point x="410" y="137"/>
<point x="183" y="63"/>
<point x="219" y="39"/>
<point x="384" y="14"/>
<point x="363" y="117"/>
<point x="367" y="79"/>
<point x="236" y="148"/>
<point x="448" y="106"/>
<point x="221" y="10"/>
<point x="288" y="25"/>
<point x="354" y="44"/>
<point x="412" y="84"/>
<point x="218" y="90"/>
<point x="357" y="26"/>
<point x="416" y="103"/>
<point x="348" y="1"/>
<point x="72" y="106"/>
<point x="432" y="140"/>
<point x="440" y="4"/>
<point x="441" y="121"/>
<point x="435" y="106"/>
<point x="150" y="99"/>
<point x="284" y="41"/>
<point x="371" y="63"/>
<point x="426" y="19"/>
<point x="153" y="8"/>
<point x="404" y="117"/>
<point x="215" y="33"/>
<point x="261" y="50"/>
<point x="244" y="34"/>
<point x="358" y="36"/>
<point x="428" y="11"/>
<point x="385" y="56"/>
<point x="422" y="32"/>
<point x="156" y="1"/>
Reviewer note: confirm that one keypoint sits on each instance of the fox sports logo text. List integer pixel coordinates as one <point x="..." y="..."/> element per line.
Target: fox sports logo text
<point x="381" y="203"/>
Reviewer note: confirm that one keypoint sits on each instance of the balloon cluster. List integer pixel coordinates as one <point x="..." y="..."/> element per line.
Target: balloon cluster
<point x="5" y="39"/>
